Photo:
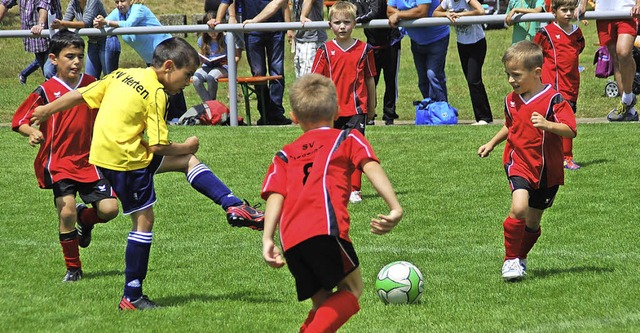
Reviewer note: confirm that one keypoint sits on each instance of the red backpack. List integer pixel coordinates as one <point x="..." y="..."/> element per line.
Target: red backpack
<point x="208" y="113"/>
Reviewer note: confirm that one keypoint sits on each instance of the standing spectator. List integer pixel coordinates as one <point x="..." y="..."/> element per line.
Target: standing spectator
<point x="386" y="53"/>
<point x="618" y="36"/>
<point x="34" y="65"/>
<point x="133" y="13"/>
<point x="349" y="63"/>
<point x="307" y="42"/>
<point x="472" y="49"/>
<point x="523" y="30"/>
<point x="562" y="42"/>
<point x="428" y="44"/>
<point x="103" y="52"/>
<point x="211" y="45"/>
<point x="34" y="16"/>
<point x="263" y="48"/>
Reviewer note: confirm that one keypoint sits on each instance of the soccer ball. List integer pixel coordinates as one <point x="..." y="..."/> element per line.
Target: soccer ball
<point x="400" y="282"/>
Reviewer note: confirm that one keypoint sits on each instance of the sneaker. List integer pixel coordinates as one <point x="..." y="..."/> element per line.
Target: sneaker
<point x="523" y="264"/>
<point x="372" y="121"/>
<point x="511" y="270"/>
<point x="142" y="303"/>
<point x="22" y="79"/>
<point x="245" y="215"/>
<point x="624" y="112"/>
<point x="72" y="275"/>
<point x="480" y="123"/>
<point x="355" y="197"/>
<point x="569" y="164"/>
<point x="84" y="231"/>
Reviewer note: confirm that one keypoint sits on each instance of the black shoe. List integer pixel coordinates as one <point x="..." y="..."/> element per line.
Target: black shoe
<point x="280" y="120"/>
<point x="84" y="231"/>
<point x="142" y="303"/>
<point x="245" y="215"/>
<point x="22" y="79"/>
<point x="389" y="120"/>
<point x="372" y="121"/>
<point x="72" y="275"/>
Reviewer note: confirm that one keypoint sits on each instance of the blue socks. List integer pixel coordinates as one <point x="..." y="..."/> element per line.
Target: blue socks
<point x="136" y="263"/>
<point x="205" y="181"/>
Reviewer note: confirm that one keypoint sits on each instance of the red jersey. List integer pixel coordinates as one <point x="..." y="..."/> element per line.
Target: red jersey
<point x="529" y="152"/>
<point x="561" y="52"/>
<point x="313" y="173"/>
<point x="64" y="154"/>
<point x="348" y="70"/>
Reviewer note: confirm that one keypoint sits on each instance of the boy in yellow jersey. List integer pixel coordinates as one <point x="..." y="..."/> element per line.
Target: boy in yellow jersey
<point x="132" y="105"/>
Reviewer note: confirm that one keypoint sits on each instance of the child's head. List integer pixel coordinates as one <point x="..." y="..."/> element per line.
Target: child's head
<point x="66" y="51"/>
<point x="523" y="65"/>
<point x="209" y="36"/>
<point x="123" y="6"/>
<point x="175" y="61"/>
<point x="342" y="19"/>
<point x="563" y="10"/>
<point x="313" y="99"/>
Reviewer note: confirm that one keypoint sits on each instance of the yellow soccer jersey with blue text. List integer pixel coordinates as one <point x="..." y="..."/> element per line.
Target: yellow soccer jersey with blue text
<point x="132" y="103"/>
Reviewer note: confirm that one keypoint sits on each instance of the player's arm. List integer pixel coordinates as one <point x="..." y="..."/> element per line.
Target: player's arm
<point x="269" y="10"/>
<point x="497" y="139"/>
<point x="378" y="178"/>
<point x="34" y="134"/>
<point x="66" y="101"/>
<point x="270" y="252"/>
<point x="370" y="83"/>
<point x="560" y="129"/>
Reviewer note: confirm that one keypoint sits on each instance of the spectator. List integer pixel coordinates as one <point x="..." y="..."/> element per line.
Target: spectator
<point x="306" y="41"/>
<point x="211" y="45"/>
<point x="386" y="53"/>
<point x="472" y="49"/>
<point x="618" y="36"/>
<point x="263" y="47"/>
<point x="428" y="44"/>
<point x="103" y="52"/>
<point x="523" y="30"/>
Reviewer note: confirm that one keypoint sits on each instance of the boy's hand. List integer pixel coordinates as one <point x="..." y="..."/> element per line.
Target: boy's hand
<point x="98" y="22"/>
<point x="453" y="16"/>
<point x="36" y="138"/>
<point x="271" y="254"/>
<point x="509" y="18"/>
<point x="394" y="19"/>
<point x="484" y="150"/>
<point x="193" y="143"/>
<point x="385" y="223"/>
<point x="539" y="121"/>
<point x="39" y="115"/>
<point x="212" y="23"/>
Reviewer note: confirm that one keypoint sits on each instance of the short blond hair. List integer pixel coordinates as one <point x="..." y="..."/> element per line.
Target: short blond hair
<point x="344" y="8"/>
<point x="526" y="53"/>
<point x="313" y="98"/>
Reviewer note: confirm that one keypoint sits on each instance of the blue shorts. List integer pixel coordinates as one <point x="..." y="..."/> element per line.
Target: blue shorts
<point x="134" y="188"/>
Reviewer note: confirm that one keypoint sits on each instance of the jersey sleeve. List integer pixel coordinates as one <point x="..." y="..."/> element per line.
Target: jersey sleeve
<point x="22" y="116"/>
<point x="157" y="130"/>
<point x="320" y="65"/>
<point x="276" y="179"/>
<point x="361" y="150"/>
<point x="94" y="92"/>
<point x="370" y="63"/>
<point x="563" y="113"/>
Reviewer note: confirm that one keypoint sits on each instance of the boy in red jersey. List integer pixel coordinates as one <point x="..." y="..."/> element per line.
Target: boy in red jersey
<point x="562" y="43"/>
<point x="350" y="64"/>
<point x="62" y="163"/>
<point x="536" y="119"/>
<point x="307" y="191"/>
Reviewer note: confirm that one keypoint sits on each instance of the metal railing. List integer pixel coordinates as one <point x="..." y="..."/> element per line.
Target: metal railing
<point x="271" y="26"/>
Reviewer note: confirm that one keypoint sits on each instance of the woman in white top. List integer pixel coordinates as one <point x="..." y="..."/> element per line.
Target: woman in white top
<point x="472" y="49"/>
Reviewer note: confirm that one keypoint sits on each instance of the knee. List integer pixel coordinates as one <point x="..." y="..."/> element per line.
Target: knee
<point x="68" y="217"/>
<point x="108" y="209"/>
<point x="197" y="81"/>
<point x="518" y="212"/>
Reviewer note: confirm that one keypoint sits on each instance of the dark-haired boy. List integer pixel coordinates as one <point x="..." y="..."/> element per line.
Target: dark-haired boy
<point x="130" y="145"/>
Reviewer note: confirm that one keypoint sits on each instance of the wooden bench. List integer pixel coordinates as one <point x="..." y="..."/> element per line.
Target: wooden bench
<point x="248" y="85"/>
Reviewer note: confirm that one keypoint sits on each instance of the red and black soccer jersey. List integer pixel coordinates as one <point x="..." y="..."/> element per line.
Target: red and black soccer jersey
<point x="64" y="154"/>
<point x="348" y="70"/>
<point x="313" y="173"/>
<point x="561" y="58"/>
<point x="530" y="152"/>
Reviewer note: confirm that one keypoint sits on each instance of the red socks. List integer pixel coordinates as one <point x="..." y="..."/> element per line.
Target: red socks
<point x="567" y="147"/>
<point x="70" y="250"/>
<point x="307" y="321"/>
<point x="89" y="217"/>
<point x="513" y="234"/>
<point x="333" y="313"/>
<point x="529" y="239"/>
<point x="356" y="180"/>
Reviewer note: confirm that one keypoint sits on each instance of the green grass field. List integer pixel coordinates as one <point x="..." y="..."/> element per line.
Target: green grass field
<point x="209" y="277"/>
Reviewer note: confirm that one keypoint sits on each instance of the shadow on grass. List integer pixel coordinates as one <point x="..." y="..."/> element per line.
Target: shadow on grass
<point x="543" y="273"/>
<point x="592" y="162"/>
<point x="236" y="296"/>
<point x="99" y="274"/>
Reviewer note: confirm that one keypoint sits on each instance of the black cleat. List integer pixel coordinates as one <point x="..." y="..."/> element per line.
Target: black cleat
<point x="245" y="216"/>
<point x="84" y="231"/>
<point x="72" y="275"/>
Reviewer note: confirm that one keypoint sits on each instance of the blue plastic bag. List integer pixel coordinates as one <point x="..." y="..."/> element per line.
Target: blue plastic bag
<point x="435" y="113"/>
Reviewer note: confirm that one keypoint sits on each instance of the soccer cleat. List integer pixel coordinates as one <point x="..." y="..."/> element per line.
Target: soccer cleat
<point x="511" y="270"/>
<point x="142" y="303"/>
<point x="72" y="275"/>
<point x="245" y="215"/>
<point x="355" y="197"/>
<point x="22" y="79"/>
<point x="624" y="112"/>
<point x="84" y="231"/>
<point x="569" y="164"/>
<point x="523" y="264"/>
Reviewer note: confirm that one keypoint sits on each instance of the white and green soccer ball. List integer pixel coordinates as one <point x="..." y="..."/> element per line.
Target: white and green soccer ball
<point x="400" y="282"/>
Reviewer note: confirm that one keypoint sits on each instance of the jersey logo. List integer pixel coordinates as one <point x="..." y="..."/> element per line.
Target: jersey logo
<point x="557" y="36"/>
<point x="333" y="52"/>
<point x="57" y="94"/>
<point x="512" y="104"/>
<point x="102" y="188"/>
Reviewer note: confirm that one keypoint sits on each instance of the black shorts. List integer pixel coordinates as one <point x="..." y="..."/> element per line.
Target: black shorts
<point x="541" y="198"/>
<point x="319" y="263"/>
<point x="89" y="192"/>
<point x="358" y="122"/>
